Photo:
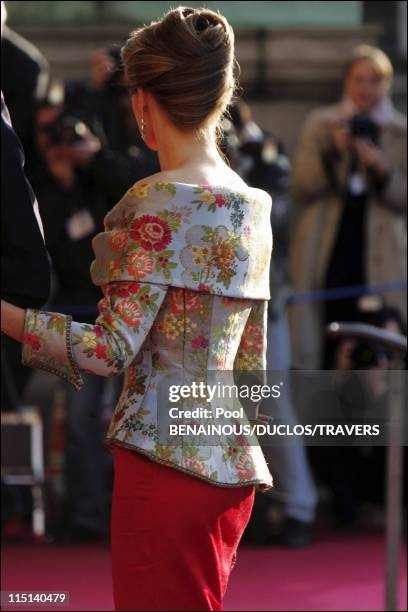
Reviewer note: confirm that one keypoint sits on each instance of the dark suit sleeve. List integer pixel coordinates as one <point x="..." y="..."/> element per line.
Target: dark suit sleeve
<point x="25" y="268"/>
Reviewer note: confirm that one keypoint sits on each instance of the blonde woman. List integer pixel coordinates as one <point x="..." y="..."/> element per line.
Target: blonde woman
<point x="184" y="268"/>
<point x="350" y="192"/>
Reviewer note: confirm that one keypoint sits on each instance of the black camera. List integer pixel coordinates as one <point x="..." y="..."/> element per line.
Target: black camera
<point x="362" y="126"/>
<point x="66" y="130"/>
<point x="368" y="355"/>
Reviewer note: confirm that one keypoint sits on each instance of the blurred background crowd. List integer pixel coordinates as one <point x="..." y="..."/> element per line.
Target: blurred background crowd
<point x="336" y="171"/>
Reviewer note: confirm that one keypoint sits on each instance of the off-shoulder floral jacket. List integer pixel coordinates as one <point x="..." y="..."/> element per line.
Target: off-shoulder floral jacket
<point x="184" y="270"/>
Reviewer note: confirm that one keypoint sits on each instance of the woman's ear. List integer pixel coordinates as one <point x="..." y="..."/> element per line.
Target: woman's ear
<point x="141" y="103"/>
<point x="137" y="106"/>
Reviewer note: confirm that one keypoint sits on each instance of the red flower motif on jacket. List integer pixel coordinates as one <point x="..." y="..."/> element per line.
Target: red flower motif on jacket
<point x="123" y="289"/>
<point x="245" y="467"/>
<point x="33" y="340"/>
<point x="118" y="240"/>
<point x="195" y="465"/>
<point x="190" y="302"/>
<point x="219" y="199"/>
<point x="100" y="351"/>
<point x="152" y="232"/>
<point x="199" y="342"/>
<point x="99" y="332"/>
<point x="139" y="264"/>
<point x="253" y="339"/>
<point x="130" y="313"/>
<point x="126" y="290"/>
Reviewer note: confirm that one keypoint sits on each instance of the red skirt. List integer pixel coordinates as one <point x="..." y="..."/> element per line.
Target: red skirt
<point x="174" y="536"/>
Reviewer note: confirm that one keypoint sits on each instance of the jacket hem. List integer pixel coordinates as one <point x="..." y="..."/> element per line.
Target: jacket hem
<point x="262" y="485"/>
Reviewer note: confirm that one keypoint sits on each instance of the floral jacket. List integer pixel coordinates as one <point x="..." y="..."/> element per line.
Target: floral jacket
<point x="184" y="270"/>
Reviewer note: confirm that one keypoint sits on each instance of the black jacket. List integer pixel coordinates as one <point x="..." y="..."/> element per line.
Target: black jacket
<point x="24" y="82"/>
<point x="25" y="268"/>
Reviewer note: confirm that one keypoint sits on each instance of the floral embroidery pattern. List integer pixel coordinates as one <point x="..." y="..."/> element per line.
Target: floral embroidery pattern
<point x="213" y="199"/>
<point x="172" y="326"/>
<point x="135" y="424"/>
<point x="149" y="242"/>
<point x="139" y="264"/>
<point x="151" y="328"/>
<point x="170" y="187"/>
<point x="212" y="255"/>
<point x="251" y="350"/>
<point x="125" y="305"/>
<point x="32" y="340"/>
<point x="118" y="240"/>
<point x="140" y="190"/>
<point x="245" y="467"/>
<point x="135" y="383"/>
<point x="46" y="344"/>
<point x="151" y="232"/>
<point x="150" y="235"/>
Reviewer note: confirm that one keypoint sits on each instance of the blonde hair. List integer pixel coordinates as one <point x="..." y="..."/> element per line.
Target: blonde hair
<point x="377" y="58"/>
<point x="186" y="61"/>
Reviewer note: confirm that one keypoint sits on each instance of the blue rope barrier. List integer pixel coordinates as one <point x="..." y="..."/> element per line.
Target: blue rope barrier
<point x="89" y="310"/>
<point x="346" y="292"/>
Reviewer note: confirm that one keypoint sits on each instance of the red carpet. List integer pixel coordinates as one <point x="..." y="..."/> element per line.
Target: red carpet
<point x="336" y="573"/>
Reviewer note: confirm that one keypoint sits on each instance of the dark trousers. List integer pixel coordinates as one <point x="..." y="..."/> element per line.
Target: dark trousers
<point x="88" y="463"/>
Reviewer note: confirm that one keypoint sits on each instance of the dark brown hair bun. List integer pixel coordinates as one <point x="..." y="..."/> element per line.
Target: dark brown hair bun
<point x="202" y="23"/>
<point x="186" y="60"/>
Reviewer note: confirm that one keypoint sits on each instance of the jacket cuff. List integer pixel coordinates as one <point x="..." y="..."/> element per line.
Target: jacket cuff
<point x="47" y="345"/>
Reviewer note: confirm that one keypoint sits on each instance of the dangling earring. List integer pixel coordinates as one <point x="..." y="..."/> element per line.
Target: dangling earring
<point x="143" y="128"/>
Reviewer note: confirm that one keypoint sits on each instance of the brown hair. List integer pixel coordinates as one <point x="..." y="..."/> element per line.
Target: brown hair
<point x="377" y="58"/>
<point x="186" y="61"/>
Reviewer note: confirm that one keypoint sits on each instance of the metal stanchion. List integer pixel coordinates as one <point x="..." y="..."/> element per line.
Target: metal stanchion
<point x="397" y="345"/>
<point x="22" y="458"/>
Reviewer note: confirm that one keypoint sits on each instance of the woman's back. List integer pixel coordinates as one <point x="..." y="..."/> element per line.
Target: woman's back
<point x="207" y="249"/>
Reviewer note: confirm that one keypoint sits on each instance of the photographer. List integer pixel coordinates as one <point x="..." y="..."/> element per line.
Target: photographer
<point x="73" y="201"/>
<point x="349" y="190"/>
<point x="260" y="158"/>
<point x="104" y="104"/>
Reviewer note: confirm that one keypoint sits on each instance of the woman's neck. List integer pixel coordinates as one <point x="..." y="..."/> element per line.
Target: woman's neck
<point x="177" y="150"/>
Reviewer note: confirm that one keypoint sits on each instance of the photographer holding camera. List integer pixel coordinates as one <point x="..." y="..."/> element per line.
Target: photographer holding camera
<point x="349" y="191"/>
<point x="103" y="103"/>
<point x="76" y="186"/>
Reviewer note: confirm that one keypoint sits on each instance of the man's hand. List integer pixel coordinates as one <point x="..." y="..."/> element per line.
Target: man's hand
<point x="340" y="135"/>
<point x="83" y="152"/>
<point x="102" y="67"/>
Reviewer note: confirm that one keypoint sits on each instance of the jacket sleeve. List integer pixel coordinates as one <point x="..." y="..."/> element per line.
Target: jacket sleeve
<point x="55" y="343"/>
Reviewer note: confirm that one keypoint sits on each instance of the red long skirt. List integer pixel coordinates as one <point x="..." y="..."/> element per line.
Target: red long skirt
<point x="174" y="537"/>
